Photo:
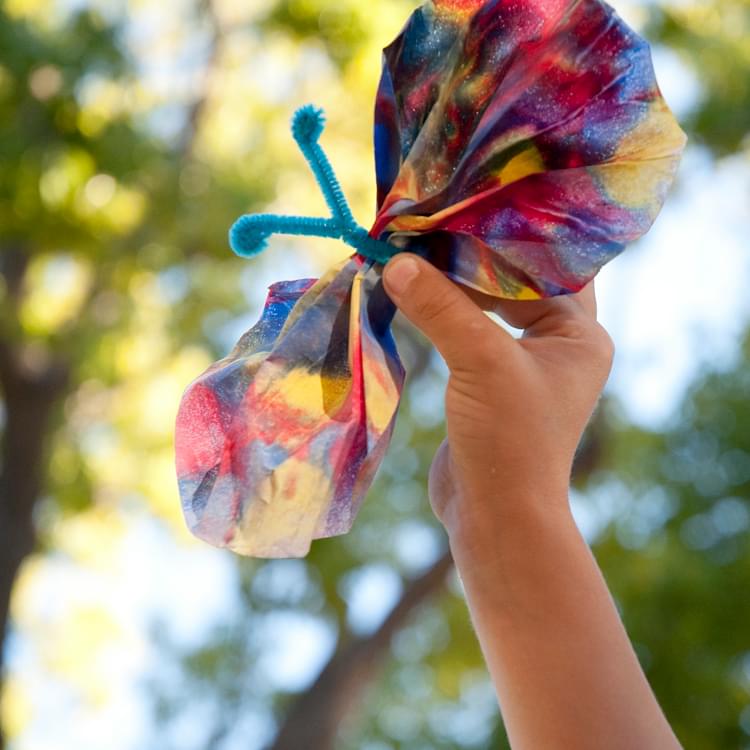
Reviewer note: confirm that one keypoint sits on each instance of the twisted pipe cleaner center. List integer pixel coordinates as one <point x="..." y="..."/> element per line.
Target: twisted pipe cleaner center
<point x="249" y="235"/>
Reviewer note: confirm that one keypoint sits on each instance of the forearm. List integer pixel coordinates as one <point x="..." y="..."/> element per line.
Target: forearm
<point x="563" y="667"/>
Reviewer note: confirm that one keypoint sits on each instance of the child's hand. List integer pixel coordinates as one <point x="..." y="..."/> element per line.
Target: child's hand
<point x="515" y="408"/>
<point x="563" y="667"/>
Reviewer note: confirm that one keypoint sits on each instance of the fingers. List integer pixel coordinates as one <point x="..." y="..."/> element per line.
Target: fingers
<point x="451" y="316"/>
<point x="457" y="327"/>
<point x="587" y="298"/>
<point x="483" y="301"/>
<point x="550" y="315"/>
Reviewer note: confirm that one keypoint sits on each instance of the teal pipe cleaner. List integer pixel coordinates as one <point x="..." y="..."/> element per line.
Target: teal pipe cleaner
<point x="249" y="234"/>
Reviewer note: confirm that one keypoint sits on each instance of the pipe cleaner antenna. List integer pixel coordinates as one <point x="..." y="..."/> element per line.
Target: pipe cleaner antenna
<point x="249" y="234"/>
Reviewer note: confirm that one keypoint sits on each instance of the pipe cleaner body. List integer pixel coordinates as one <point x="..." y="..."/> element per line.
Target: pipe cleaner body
<point x="249" y="234"/>
<point x="519" y="145"/>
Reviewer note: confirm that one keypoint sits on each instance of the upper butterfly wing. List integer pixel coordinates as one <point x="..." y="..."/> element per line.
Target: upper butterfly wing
<point x="544" y="144"/>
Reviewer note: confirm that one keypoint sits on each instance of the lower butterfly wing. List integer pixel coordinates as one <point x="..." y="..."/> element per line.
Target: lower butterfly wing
<point x="377" y="381"/>
<point x="205" y="420"/>
<point x="290" y="455"/>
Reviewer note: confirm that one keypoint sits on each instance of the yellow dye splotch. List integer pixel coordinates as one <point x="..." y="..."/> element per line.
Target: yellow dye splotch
<point x="529" y="161"/>
<point x="310" y="393"/>
<point x="382" y="395"/>
<point x="282" y="518"/>
<point x="657" y="135"/>
<point x="458" y="9"/>
<point x="645" y="162"/>
<point x="636" y="184"/>
<point x="526" y="292"/>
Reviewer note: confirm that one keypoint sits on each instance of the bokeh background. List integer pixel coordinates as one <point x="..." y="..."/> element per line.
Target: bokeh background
<point x="132" y="134"/>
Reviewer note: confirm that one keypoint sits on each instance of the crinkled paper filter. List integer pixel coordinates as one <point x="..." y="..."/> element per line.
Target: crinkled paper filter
<point x="519" y="145"/>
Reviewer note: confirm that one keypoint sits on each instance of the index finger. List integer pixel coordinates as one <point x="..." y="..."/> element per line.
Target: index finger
<point x="526" y="314"/>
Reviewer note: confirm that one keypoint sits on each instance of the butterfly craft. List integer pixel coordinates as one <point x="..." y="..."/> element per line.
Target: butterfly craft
<point x="519" y="145"/>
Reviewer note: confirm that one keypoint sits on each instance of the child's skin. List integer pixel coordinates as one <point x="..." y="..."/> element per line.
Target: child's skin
<point x="565" y="672"/>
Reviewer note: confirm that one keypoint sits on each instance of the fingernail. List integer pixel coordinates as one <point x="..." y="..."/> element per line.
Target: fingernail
<point x="400" y="273"/>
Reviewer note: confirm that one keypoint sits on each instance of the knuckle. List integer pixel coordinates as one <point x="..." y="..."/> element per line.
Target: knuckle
<point x="481" y="360"/>
<point x="576" y="328"/>
<point x="432" y="308"/>
<point x="593" y="339"/>
<point x="604" y="346"/>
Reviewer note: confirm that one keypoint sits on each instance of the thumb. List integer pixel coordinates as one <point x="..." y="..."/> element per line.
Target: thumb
<point x="456" y="325"/>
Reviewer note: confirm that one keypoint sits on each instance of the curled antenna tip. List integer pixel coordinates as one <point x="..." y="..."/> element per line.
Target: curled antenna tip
<point x="307" y="124"/>
<point x="247" y="237"/>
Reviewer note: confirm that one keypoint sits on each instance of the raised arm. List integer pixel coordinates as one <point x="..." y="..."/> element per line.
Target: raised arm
<point x="565" y="672"/>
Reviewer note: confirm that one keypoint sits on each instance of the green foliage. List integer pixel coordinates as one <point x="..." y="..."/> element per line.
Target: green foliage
<point x="125" y="233"/>
<point x="714" y="40"/>
<point x="111" y="220"/>
<point x="678" y="557"/>
<point x="339" y="26"/>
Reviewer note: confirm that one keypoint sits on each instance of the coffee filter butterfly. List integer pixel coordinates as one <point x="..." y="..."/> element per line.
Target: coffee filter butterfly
<point x="519" y="146"/>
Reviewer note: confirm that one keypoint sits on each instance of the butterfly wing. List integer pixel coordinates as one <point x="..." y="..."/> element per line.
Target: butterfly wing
<point x="278" y="443"/>
<point x="533" y="147"/>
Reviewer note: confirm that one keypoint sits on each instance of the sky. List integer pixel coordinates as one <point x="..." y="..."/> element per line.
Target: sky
<point x="674" y="303"/>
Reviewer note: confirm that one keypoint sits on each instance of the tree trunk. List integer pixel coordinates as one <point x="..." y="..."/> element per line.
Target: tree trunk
<point x="29" y="396"/>
<point x="315" y="717"/>
<point x="31" y="393"/>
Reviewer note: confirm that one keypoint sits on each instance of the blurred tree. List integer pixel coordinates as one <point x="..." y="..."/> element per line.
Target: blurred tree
<point x="95" y="211"/>
<point x="414" y="704"/>
<point x="712" y="40"/>
<point x="678" y="556"/>
<point x="116" y="287"/>
<point x="673" y="544"/>
<point x="115" y="273"/>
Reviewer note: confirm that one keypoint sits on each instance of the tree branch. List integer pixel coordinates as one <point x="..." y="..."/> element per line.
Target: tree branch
<point x="199" y="104"/>
<point x="316" y="715"/>
<point x="33" y="381"/>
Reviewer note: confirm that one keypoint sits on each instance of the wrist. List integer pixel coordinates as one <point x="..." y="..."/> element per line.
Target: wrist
<point x="487" y="534"/>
